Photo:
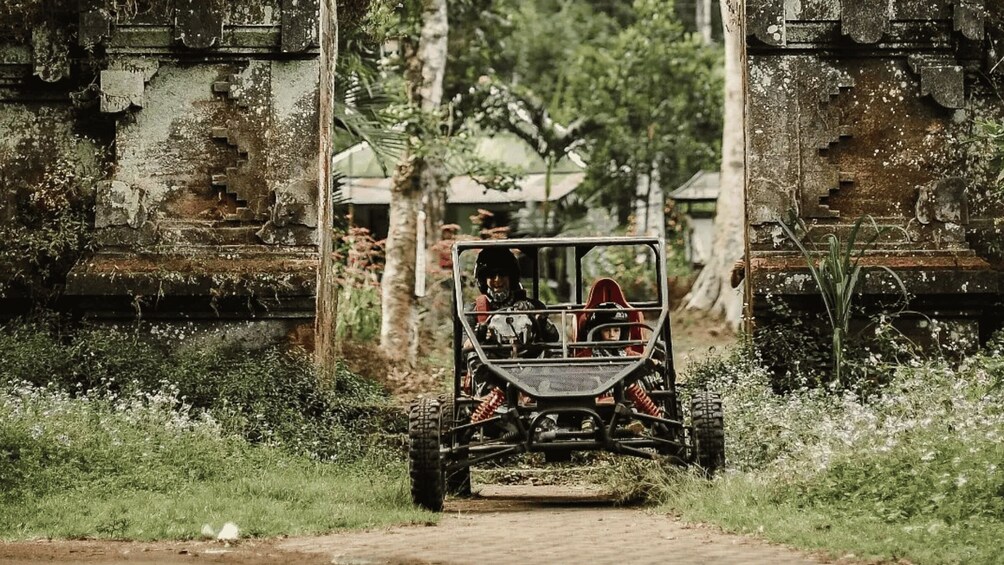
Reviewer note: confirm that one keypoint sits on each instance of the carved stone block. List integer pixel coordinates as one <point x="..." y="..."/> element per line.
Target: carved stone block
<point x="121" y="90"/>
<point x="945" y="201"/>
<point x="969" y="16"/>
<point x="865" y="21"/>
<point x="812" y="10"/>
<point x="765" y="21"/>
<point x="299" y="24"/>
<point x="199" y="23"/>
<point x="945" y="84"/>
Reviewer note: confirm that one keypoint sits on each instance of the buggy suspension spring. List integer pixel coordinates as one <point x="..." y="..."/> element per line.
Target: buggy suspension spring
<point x="642" y="401"/>
<point x="488" y="406"/>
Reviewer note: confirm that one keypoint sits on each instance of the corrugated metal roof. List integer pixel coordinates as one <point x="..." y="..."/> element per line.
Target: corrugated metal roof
<point x="704" y="185"/>
<point x="360" y="161"/>
<point x="465" y="190"/>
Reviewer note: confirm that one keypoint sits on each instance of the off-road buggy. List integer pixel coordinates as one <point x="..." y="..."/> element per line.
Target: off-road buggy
<point x="514" y="392"/>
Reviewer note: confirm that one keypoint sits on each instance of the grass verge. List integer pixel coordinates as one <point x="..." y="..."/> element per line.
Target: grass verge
<point x="138" y="443"/>
<point x="908" y="470"/>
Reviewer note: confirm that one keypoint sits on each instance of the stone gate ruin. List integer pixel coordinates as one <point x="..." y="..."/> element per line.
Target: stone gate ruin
<point x="201" y="120"/>
<point x="861" y="107"/>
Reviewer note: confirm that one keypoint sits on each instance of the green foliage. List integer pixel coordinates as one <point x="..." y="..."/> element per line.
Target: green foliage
<point x="911" y="469"/>
<point x="360" y="261"/>
<point x="149" y="466"/>
<point x="48" y="214"/>
<point x="640" y="91"/>
<point x="837" y="273"/>
<point x="107" y="434"/>
<point x="989" y="137"/>
<point x="272" y="397"/>
<point x="657" y="93"/>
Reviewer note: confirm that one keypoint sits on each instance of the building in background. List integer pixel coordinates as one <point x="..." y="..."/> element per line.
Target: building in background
<point x="695" y="201"/>
<point x="365" y="187"/>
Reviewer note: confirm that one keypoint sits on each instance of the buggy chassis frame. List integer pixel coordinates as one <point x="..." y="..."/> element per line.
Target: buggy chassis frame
<point x="530" y="404"/>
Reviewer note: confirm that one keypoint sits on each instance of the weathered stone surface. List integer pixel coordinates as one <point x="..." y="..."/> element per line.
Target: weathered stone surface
<point x="299" y="24"/>
<point x="121" y="90"/>
<point x="765" y="21"/>
<point x="865" y="21"/>
<point x="945" y="84"/>
<point x="120" y="204"/>
<point x="944" y="201"/>
<point x="869" y="111"/>
<point x="792" y="114"/>
<point x="812" y="10"/>
<point x="199" y="23"/>
<point x="969" y="17"/>
<point x="208" y="202"/>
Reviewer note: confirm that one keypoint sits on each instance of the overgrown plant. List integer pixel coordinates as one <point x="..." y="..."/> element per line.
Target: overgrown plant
<point x="837" y="273"/>
<point x="360" y="260"/>
<point x="47" y="217"/>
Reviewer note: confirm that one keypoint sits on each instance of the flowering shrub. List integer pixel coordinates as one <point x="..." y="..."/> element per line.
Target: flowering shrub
<point x="273" y="397"/>
<point x="920" y="453"/>
<point x="360" y="258"/>
<point x="50" y="440"/>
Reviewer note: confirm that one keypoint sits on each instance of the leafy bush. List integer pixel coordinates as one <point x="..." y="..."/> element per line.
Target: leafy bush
<point x="51" y="440"/>
<point x="48" y="213"/>
<point x="273" y="397"/>
<point x="762" y="427"/>
<point x="150" y="466"/>
<point x="908" y="467"/>
<point x="360" y="265"/>
<point x="928" y="448"/>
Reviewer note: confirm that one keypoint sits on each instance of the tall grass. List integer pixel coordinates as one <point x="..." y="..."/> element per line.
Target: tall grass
<point x="104" y="434"/>
<point x="148" y="466"/>
<point x="911" y="470"/>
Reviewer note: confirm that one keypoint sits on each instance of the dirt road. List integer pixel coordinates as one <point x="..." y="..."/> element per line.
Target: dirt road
<point x="506" y="524"/>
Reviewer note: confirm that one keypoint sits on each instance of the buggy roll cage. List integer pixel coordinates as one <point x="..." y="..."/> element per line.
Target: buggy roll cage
<point x="612" y="369"/>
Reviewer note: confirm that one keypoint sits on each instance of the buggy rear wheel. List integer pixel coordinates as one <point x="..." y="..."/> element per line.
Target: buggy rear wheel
<point x="458" y="482"/>
<point x="709" y="430"/>
<point x="425" y="465"/>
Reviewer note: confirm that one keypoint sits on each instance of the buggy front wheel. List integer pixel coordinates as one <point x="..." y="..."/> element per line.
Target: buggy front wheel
<point x="458" y="482"/>
<point x="425" y="465"/>
<point x="709" y="430"/>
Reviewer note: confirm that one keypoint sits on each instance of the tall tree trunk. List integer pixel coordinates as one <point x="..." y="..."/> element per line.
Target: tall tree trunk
<point x="327" y="294"/>
<point x="425" y="67"/>
<point x="711" y="291"/>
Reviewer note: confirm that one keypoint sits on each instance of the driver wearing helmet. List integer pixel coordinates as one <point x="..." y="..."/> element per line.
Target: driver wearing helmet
<point x="497" y="273"/>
